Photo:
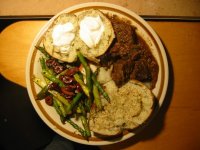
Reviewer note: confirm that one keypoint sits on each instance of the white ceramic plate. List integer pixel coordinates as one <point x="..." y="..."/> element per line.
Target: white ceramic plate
<point x="49" y="115"/>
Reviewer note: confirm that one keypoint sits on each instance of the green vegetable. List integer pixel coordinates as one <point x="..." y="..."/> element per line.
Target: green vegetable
<point x="42" y="63"/>
<point x="74" y="102"/>
<point x="59" y="107"/>
<point x="42" y="50"/>
<point x="43" y="93"/>
<point x="62" y="73"/>
<point x="56" y="106"/>
<point x="84" y="120"/>
<point x="52" y="78"/>
<point x="97" y="84"/>
<point x="48" y="73"/>
<point x="60" y="98"/>
<point x="87" y="69"/>
<point x="88" y="77"/>
<point x="82" y="84"/>
<point x="39" y="82"/>
<point x="79" y="129"/>
<point x="97" y="99"/>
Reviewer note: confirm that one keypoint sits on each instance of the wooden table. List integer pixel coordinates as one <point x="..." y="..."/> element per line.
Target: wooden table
<point x="154" y="8"/>
<point x="176" y="127"/>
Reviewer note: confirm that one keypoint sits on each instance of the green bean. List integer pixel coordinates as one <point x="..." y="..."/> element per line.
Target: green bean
<point x="39" y="82"/>
<point x="43" y="93"/>
<point x="97" y="84"/>
<point x="84" y="120"/>
<point x="85" y="125"/>
<point x="60" y="98"/>
<point x="60" y="107"/>
<point x="58" y="110"/>
<point x="44" y="66"/>
<point x="74" y="102"/>
<point x="97" y="99"/>
<point x="87" y="69"/>
<point x="56" y="102"/>
<point x="42" y="50"/>
<point x="56" y="106"/>
<point x="79" y="129"/>
<point x="42" y="63"/>
<point x="82" y="84"/>
<point x="52" y="78"/>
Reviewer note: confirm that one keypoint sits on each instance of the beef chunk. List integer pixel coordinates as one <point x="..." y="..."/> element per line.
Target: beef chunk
<point x="130" y="56"/>
<point x="141" y="71"/>
<point x="121" y="71"/>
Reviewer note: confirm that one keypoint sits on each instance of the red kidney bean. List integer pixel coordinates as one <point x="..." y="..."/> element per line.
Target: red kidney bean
<point x="54" y="86"/>
<point x="58" y="69"/>
<point x="78" y="88"/>
<point x="49" y="100"/>
<point x="72" y="71"/>
<point x="72" y="86"/>
<point x="68" y="97"/>
<point x="51" y="62"/>
<point x="66" y="79"/>
<point x="65" y="91"/>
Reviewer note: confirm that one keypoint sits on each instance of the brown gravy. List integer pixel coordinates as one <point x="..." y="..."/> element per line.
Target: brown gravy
<point x="130" y="56"/>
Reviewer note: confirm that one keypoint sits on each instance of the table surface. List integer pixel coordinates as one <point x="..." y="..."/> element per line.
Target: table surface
<point x="153" y="8"/>
<point x="177" y="124"/>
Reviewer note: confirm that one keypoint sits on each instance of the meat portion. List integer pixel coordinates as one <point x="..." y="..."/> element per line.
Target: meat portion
<point x="141" y="71"/>
<point x="129" y="55"/>
<point x="121" y="71"/>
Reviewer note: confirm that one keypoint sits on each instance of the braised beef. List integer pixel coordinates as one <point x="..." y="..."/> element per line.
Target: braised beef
<point x="141" y="71"/>
<point x="129" y="55"/>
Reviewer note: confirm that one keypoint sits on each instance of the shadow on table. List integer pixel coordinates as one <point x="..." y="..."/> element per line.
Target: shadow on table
<point x="158" y="123"/>
<point x="20" y="126"/>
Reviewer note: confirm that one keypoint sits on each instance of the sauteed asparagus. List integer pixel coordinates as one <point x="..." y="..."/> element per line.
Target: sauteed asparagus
<point x="65" y="89"/>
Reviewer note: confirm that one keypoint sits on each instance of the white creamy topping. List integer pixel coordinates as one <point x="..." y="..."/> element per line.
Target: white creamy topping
<point x="91" y="29"/>
<point x="63" y="35"/>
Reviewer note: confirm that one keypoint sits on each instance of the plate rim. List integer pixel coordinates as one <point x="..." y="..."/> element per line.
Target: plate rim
<point x="72" y="8"/>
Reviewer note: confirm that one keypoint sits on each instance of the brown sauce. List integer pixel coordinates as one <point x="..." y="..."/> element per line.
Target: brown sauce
<point x="130" y="56"/>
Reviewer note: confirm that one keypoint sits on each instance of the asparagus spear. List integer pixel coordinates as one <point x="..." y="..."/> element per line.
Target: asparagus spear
<point x="79" y="129"/>
<point x="39" y="82"/>
<point x="74" y="102"/>
<point x="82" y="84"/>
<point x="58" y="110"/>
<point x="58" y="102"/>
<point x="42" y="50"/>
<point x="97" y="99"/>
<point x="84" y="120"/>
<point x="60" y="98"/>
<point x="47" y="73"/>
<point x="43" y="93"/>
<point x="59" y="107"/>
<point x="88" y="78"/>
<point x="52" y="78"/>
<point x="87" y="69"/>
<point x="97" y="84"/>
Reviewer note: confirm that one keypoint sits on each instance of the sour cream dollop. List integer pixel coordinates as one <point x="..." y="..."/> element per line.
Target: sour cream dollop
<point x="91" y="29"/>
<point x="63" y="36"/>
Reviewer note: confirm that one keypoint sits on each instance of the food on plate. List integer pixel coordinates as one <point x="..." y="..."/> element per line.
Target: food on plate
<point x="130" y="55"/>
<point x="95" y="68"/>
<point x="129" y="107"/>
<point x="96" y="34"/>
<point x="59" y="39"/>
<point x="90" y="32"/>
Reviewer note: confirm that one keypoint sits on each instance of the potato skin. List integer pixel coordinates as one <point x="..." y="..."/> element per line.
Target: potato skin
<point x="131" y="105"/>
